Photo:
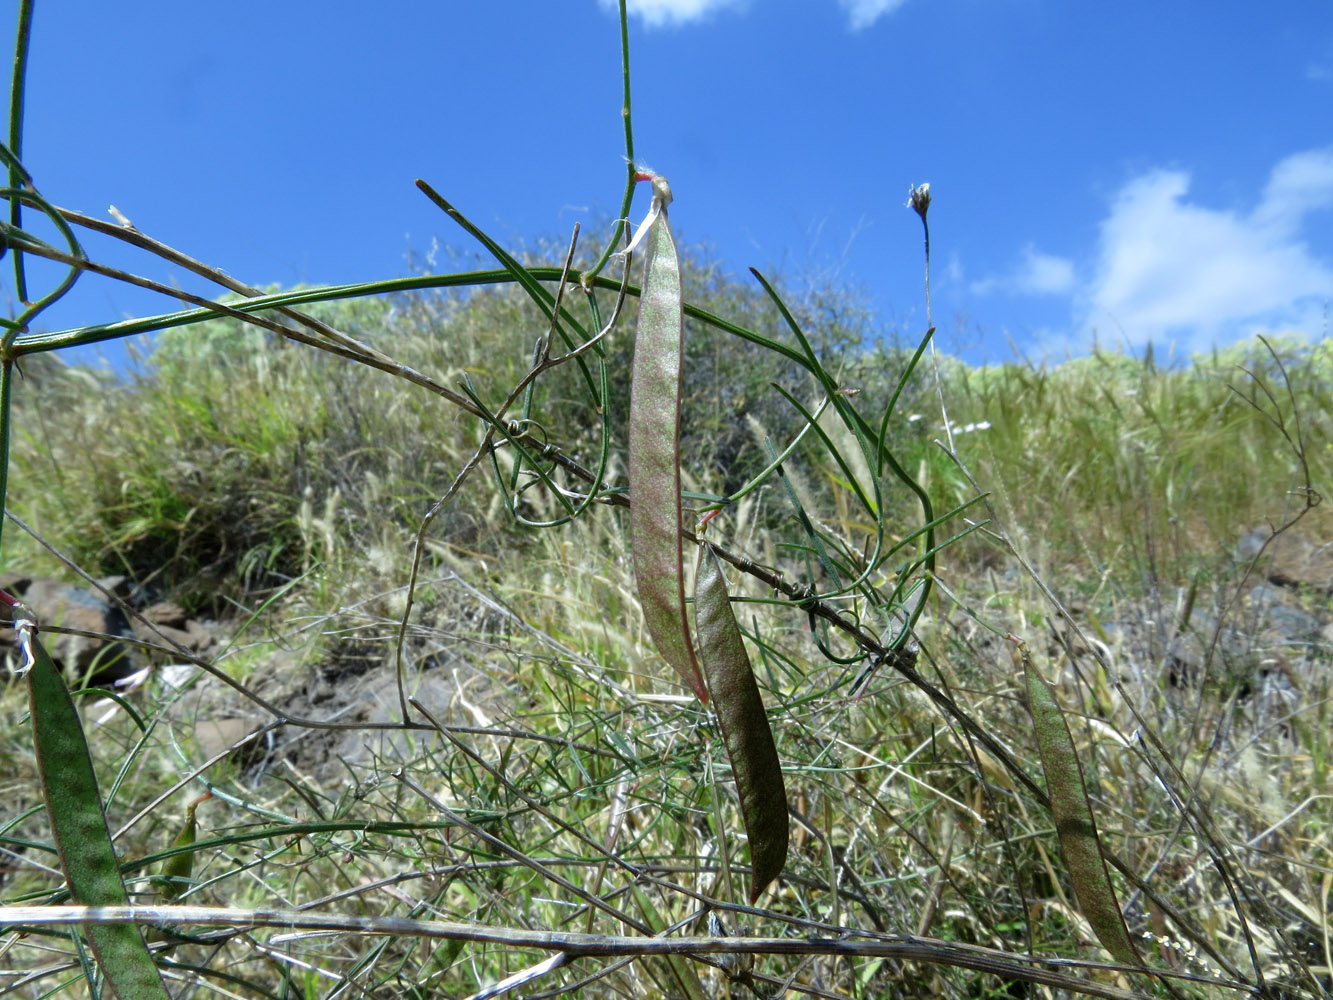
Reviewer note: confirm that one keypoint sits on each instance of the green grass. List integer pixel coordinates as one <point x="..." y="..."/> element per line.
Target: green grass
<point x="1176" y="463"/>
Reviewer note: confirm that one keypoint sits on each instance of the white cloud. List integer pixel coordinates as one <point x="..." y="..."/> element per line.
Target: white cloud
<point x="1037" y="274"/>
<point x="1171" y="269"/>
<point x="673" y="13"/>
<point x="953" y="269"/>
<point x="864" y="13"/>
<point x="1298" y="185"/>
<point x="659" y="13"/>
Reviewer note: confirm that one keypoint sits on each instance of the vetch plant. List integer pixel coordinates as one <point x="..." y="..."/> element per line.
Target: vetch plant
<point x="657" y="541"/>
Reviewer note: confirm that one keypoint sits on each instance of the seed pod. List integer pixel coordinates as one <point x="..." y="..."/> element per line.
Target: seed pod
<point x="745" y="729"/>
<point x="654" y="448"/>
<point x="79" y="825"/>
<point x="174" y="875"/>
<point x="1074" y="821"/>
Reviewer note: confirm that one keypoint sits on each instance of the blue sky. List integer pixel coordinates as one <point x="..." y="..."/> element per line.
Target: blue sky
<point x="1132" y="171"/>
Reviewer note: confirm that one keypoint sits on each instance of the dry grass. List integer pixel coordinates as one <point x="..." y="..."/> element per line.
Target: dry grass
<point x="554" y="778"/>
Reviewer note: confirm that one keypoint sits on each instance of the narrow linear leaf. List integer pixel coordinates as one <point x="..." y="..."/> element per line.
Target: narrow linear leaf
<point x="79" y="825"/>
<point x="816" y="542"/>
<point x="1073" y="817"/>
<point x="745" y="729"/>
<point x="654" y="448"/>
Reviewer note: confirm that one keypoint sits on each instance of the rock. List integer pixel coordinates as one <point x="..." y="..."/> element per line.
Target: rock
<point x="14" y="583"/>
<point x="216" y="736"/>
<point x="84" y="659"/>
<point x="167" y="613"/>
<point x="1301" y="557"/>
<point x="1279" y="618"/>
<point x="89" y="660"/>
<point x="190" y="635"/>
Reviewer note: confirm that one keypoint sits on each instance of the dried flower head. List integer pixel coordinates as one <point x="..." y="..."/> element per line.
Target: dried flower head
<point x="920" y="199"/>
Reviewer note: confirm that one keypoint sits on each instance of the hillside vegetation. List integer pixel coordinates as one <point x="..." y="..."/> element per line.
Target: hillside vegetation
<point x="556" y="766"/>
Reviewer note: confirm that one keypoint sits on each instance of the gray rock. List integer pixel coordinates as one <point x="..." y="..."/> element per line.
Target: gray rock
<point x="85" y="659"/>
<point x="88" y="659"/>
<point x="1279" y="618"/>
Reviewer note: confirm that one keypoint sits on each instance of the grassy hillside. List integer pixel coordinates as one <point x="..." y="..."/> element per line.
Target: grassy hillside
<point x="557" y="777"/>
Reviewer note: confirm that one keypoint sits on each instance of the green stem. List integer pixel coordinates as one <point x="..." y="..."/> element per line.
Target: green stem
<point x="628" y="198"/>
<point x="16" y="94"/>
<point x="6" y="393"/>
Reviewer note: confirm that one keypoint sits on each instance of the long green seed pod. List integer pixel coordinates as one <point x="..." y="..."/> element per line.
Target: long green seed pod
<point x="78" y="823"/>
<point x="654" y="448"/>
<point x="1073" y="817"/>
<point x="745" y="729"/>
